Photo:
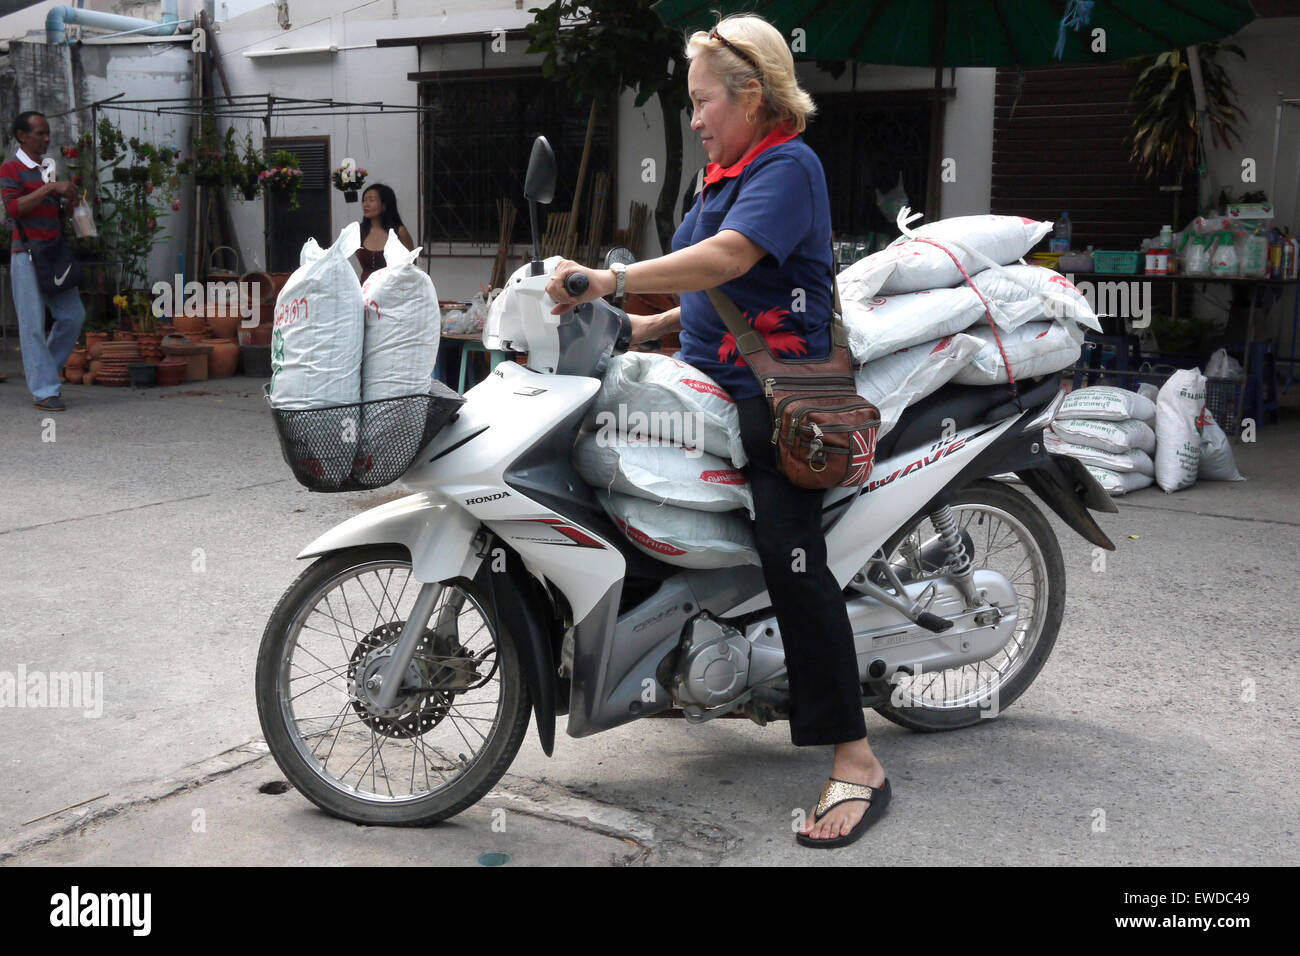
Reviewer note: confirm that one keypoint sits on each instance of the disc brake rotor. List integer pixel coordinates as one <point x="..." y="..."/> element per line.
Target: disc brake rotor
<point x="420" y="709"/>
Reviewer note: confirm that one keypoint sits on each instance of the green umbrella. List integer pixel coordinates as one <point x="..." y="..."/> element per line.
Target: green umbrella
<point x="949" y="33"/>
<point x="979" y="32"/>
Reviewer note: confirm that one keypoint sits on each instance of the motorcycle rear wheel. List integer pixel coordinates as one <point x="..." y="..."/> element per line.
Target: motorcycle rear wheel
<point x="994" y="518"/>
<point x="439" y="752"/>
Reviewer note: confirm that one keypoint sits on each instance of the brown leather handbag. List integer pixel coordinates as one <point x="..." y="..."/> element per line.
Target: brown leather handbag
<point x="824" y="431"/>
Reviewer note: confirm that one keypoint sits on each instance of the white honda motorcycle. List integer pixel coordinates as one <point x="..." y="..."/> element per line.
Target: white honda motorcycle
<point x="396" y="676"/>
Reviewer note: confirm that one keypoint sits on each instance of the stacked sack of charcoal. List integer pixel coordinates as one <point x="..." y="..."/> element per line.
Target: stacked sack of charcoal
<point x="1110" y="430"/>
<point x="950" y="303"/>
<point x="662" y="448"/>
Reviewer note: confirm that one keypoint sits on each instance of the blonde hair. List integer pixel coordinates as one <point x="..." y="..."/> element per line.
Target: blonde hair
<point x="785" y="103"/>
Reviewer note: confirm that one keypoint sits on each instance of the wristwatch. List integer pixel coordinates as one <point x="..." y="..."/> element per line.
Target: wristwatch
<point x="620" y="280"/>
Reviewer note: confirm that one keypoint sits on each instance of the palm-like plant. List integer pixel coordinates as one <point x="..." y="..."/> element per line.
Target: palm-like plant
<point x="1166" y="138"/>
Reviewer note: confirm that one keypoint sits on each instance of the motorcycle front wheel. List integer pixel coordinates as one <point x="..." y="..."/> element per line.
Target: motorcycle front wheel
<point x="1006" y="533"/>
<point x="456" y="726"/>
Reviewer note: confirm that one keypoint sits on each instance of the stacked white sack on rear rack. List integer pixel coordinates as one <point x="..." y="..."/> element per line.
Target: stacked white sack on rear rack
<point x="949" y="301"/>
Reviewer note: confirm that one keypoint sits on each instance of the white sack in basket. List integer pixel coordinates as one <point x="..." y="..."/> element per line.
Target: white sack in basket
<point x="402" y="326"/>
<point x="317" y="340"/>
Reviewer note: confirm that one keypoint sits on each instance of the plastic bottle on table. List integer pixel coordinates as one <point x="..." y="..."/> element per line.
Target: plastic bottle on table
<point x="1254" y="255"/>
<point x="1223" y="261"/>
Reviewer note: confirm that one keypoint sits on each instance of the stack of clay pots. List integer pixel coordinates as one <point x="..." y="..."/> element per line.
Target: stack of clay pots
<point x="150" y="346"/>
<point x="195" y="326"/>
<point x="110" y="367"/>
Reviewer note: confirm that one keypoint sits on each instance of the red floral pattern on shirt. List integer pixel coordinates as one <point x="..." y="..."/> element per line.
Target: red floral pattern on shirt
<point x="780" y="338"/>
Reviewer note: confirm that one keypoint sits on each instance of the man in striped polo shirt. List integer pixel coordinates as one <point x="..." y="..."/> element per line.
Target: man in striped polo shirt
<point x="31" y="195"/>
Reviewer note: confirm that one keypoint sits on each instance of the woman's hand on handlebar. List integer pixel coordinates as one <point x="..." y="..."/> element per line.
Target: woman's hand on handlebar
<point x="600" y="282"/>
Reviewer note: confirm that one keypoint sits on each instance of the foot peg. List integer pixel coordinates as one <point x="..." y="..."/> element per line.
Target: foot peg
<point x="933" y="622"/>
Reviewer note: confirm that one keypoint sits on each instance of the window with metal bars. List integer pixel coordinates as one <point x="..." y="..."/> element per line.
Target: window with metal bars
<point x="476" y="139"/>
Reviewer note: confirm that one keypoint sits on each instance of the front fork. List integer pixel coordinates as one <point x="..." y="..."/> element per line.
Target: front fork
<point x="385" y="685"/>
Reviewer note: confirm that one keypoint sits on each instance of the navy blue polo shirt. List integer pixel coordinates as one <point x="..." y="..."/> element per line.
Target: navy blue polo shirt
<point x="777" y="198"/>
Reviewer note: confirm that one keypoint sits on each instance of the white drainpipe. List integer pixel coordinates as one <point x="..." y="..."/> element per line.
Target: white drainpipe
<point x="58" y="17"/>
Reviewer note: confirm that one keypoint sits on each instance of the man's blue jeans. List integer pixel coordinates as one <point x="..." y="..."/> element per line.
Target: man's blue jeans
<point x="42" y="357"/>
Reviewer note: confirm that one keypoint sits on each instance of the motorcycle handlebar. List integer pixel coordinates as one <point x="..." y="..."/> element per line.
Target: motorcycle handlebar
<point x="575" y="283"/>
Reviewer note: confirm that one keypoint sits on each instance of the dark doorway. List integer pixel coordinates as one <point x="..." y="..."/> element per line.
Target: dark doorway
<point x="290" y="228"/>
<point x="865" y="140"/>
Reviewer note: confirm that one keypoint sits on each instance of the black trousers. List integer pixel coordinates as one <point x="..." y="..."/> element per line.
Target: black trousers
<point x="825" y="694"/>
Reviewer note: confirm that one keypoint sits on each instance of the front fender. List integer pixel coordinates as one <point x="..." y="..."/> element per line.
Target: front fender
<point x="438" y="534"/>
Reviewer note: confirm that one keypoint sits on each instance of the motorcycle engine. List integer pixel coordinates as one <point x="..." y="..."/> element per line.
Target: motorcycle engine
<point x="713" y="667"/>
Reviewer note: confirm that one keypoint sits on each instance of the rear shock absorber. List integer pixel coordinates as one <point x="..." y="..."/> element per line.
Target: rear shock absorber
<point x="959" y="564"/>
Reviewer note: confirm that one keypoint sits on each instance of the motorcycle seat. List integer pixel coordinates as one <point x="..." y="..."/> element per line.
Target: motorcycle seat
<point x="967" y="405"/>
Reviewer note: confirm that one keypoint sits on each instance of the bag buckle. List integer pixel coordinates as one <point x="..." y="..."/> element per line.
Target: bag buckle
<point x="815" y="452"/>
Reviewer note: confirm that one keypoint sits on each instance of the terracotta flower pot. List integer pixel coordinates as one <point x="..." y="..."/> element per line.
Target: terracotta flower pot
<point x="171" y="372"/>
<point x="93" y="337"/>
<point x="88" y="379"/>
<point x="224" y="326"/>
<point x="224" y="358"/>
<point x="75" y="375"/>
<point x="77" y="361"/>
<point x="122" y="335"/>
<point x="194" y="325"/>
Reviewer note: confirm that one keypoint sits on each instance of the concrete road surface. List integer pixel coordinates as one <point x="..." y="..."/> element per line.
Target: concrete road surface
<point x="148" y="536"/>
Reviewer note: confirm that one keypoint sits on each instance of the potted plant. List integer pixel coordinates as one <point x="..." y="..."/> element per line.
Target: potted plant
<point x="209" y="159"/>
<point x="1166" y="131"/>
<point x="250" y="166"/>
<point x="348" y="180"/>
<point x="283" y="176"/>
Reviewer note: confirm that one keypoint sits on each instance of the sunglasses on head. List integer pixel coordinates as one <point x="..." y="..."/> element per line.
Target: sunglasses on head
<point x="715" y="35"/>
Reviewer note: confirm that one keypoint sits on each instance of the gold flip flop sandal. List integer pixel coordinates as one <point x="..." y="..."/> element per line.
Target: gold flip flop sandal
<point x="841" y="791"/>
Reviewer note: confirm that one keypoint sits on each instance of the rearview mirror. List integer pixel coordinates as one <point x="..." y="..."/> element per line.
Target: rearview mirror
<point x="619" y="254"/>
<point x="539" y="181"/>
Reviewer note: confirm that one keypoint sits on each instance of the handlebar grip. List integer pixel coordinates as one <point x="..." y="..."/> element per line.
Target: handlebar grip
<point x="575" y="283"/>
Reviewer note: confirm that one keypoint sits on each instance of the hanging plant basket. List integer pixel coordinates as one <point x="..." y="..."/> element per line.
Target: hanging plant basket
<point x="349" y="195"/>
<point x="249" y="190"/>
<point x="121" y="174"/>
<point x="139" y="174"/>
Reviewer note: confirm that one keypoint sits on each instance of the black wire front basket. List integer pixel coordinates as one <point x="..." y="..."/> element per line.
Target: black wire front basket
<point x="361" y="445"/>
